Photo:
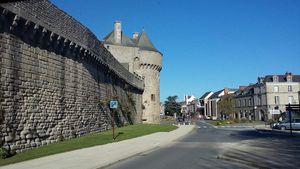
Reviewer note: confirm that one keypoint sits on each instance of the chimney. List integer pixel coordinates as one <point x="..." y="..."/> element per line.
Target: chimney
<point x="135" y="36"/>
<point x="242" y="87"/>
<point x="118" y="32"/>
<point x="226" y="90"/>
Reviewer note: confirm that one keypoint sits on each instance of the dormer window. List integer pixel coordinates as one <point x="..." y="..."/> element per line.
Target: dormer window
<point x="275" y="78"/>
<point x="289" y="78"/>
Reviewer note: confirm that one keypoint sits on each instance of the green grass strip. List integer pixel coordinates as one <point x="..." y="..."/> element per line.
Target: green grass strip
<point x="88" y="140"/>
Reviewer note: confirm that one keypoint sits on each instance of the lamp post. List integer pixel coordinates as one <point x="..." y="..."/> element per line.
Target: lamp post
<point x="254" y="112"/>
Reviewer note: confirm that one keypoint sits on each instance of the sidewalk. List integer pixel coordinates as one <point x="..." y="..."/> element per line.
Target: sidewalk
<point x="100" y="156"/>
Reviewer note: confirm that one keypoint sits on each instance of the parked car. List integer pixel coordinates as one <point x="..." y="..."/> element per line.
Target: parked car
<point x="180" y="119"/>
<point x="207" y="117"/>
<point x="285" y="124"/>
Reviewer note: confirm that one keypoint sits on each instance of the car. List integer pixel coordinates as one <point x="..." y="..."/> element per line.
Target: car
<point x="207" y="117"/>
<point x="180" y="119"/>
<point x="285" y="124"/>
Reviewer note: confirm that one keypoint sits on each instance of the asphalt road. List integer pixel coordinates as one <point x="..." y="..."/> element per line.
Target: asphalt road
<point x="199" y="149"/>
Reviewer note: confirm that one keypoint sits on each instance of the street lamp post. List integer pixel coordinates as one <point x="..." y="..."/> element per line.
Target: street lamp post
<point x="254" y="112"/>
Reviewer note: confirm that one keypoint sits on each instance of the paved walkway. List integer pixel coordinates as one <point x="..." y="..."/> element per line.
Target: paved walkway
<point x="100" y="156"/>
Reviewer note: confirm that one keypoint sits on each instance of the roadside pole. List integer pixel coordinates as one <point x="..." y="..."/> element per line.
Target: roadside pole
<point x="290" y="117"/>
<point x="113" y="123"/>
<point x="113" y="105"/>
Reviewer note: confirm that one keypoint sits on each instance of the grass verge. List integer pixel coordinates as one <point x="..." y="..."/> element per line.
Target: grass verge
<point x="228" y="122"/>
<point x="89" y="140"/>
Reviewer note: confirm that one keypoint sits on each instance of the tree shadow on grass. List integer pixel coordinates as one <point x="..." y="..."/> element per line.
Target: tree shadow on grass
<point x="118" y="135"/>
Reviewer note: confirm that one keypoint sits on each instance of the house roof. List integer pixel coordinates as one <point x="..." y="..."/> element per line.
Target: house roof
<point x="281" y="78"/>
<point x="216" y="94"/>
<point x="245" y="91"/>
<point x="205" y="95"/>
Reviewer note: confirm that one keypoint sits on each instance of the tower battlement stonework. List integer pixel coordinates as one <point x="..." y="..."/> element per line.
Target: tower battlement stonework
<point x="140" y="57"/>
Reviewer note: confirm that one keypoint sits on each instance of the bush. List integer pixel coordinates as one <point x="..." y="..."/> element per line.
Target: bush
<point x="4" y="153"/>
<point x="236" y="120"/>
<point x="270" y="121"/>
<point x="244" y="120"/>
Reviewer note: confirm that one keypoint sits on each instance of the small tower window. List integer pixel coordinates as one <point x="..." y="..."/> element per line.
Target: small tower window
<point x="153" y="97"/>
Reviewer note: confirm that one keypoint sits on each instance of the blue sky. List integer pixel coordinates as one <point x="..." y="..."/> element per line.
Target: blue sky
<point x="206" y="45"/>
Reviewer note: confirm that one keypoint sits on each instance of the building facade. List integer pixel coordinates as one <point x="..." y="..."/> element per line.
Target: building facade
<point x="204" y="104"/>
<point x="243" y="103"/>
<point x="188" y="105"/>
<point x="267" y="99"/>
<point x="213" y="100"/>
<point x="273" y="92"/>
<point x="140" y="57"/>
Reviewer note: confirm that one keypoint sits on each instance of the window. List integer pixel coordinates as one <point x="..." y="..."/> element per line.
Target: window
<point x="290" y="99"/>
<point x="153" y="97"/>
<point x="290" y="89"/>
<point x="276" y="89"/>
<point x="258" y="100"/>
<point x="275" y="78"/>
<point x="289" y="79"/>
<point x="249" y="102"/>
<point x="276" y="99"/>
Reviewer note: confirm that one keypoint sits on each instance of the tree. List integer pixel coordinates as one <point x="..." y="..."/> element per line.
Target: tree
<point x="225" y="105"/>
<point x="171" y="106"/>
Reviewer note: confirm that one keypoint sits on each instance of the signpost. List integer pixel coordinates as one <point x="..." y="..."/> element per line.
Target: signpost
<point x="113" y="105"/>
<point x="292" y="108"/>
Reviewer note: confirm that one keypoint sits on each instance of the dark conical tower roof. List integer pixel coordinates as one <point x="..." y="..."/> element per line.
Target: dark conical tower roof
<point x="145" y="43"/>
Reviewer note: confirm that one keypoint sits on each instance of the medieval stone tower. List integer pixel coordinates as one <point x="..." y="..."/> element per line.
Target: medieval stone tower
<point x="140" y="57"/>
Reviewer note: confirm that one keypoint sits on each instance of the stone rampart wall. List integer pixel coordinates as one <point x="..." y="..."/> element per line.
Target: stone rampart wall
<point x="56" y="83"/>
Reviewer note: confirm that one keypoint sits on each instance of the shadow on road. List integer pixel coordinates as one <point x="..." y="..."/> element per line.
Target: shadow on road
<point x="265" y="149"/>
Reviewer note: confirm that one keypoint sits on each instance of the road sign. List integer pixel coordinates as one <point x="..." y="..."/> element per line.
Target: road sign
<point x="273" y="111"/>
<point x="113" y="104"/>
